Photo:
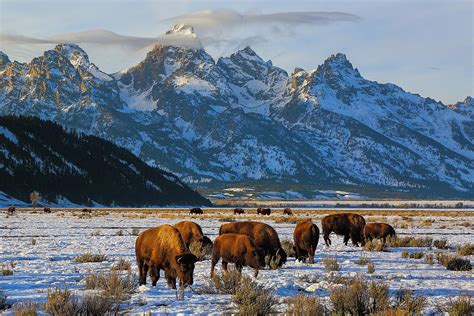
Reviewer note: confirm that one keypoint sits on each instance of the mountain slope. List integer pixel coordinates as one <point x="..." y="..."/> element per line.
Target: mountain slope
<point x="41" y="155"/>
<point x="241" y="119"/>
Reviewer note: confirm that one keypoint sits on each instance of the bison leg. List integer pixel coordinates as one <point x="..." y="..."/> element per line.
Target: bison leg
<point x="298" y="252"/>
<point x="255" y="273"/>
<point x="154" y="275"/>
<point x="326" y="238"/>
<point x="354" y="241"/>
<point x="142" y="271"/>
<point x="170" y="280"/>
<point x="224" y="265"/>
<point x="311" y="255"/>
<point x="215" y="259"/>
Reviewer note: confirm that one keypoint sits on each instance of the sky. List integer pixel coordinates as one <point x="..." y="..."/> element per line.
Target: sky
<point x="425" y="47"/>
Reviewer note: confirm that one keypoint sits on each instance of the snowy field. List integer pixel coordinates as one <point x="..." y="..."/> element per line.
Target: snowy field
<point x="43" y="247"/>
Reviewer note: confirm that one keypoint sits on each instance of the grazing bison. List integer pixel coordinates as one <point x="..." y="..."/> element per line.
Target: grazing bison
<point x="263" y="235"/>
<point x="47" y="210"/>
<point x="378" y="230"/>
<point x="287" y="211"/>
<point x="163" y="248"/>
<point x="11" y="210"/>
<point x="238" y="210"/>
<point x="85" y="210"/>
<point x="196" y="210"/>
<point x="264" y="211"/>
<point x="306" y="237"/>
<point x="192" y="232"/>
<point x="348" y="225"/>
<point x="238" y="249"/>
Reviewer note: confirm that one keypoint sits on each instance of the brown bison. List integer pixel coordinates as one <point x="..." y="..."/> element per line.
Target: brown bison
<point x="163" y="248"/>
<point x="263" y="235"/>
<point x="47" y="210"/>
<point x="264" y="211"/>
<point x="196" y="210"/>
<point x="238" y="210"/>
<point x="348" y="225"/>
<point x="287" y="211"/>
<point x="378" y="230"/>
<point x="192" y="232"/>
<point x="11" y="210"/>
<point x="238" y="249"/>
<point x="306" y="237"/>
<point x="86" y="210"/>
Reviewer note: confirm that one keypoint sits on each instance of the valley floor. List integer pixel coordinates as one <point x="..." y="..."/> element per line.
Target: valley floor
<point x="43" y="248"/>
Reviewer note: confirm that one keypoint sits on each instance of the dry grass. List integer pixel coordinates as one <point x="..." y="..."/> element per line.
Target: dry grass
<point x="429" y="258"/>
<point x="26" y="308"/>
<point x="88" y="257"/>
<point x="98" y="305"/>
<point x="7" y="269"/>
<point x="288" y="245"/>
<point x="461" y="306"/>
<point x="441" y="244"/>
<point x="119" y="232"/>
<point x="302" y="305"/>
<point x="135" y="231"/>
<point x="465" y="250"/>
<point x="370" y="268"/>
<point x="112" y="284"/>
<point x="33" y="241"/>
<point x="226" y="283"/>
<point x="416" y="255"/>
<point x="252" y="298"/>
<point x="122" y="265"/>
<point x="362" y="260"/>
<point x="409" y="241"/>
<point x="408" y="303"/>
<point x="330" y="264"/>
<point x="61" y="302"/>
<point x="453" y="263"/>
<point x="374" y="245"/>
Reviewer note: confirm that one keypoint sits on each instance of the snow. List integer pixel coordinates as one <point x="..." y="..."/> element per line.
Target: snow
<point x="8" y="135"/>
<point x="191" y="85"/>
<point x="61" y="236"/>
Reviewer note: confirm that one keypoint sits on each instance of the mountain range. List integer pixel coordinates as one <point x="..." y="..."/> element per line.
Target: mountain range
<point x="68" y="168"/>
<point x="242" y="121"/>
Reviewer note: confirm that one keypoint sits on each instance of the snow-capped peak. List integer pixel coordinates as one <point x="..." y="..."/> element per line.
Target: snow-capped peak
<point x="3" y="59"/>
<point x="249" y="54"/>
<point x="182" y="29"/>
<point x="76" y="55"/>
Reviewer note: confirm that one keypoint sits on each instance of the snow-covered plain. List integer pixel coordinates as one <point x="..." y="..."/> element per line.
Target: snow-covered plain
<point x="63" y="235"/>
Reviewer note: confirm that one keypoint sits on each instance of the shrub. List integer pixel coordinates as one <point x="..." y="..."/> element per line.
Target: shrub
<point x="252" y="298"/>
<point x="96" y="232"/>
<point x="465" y="250"/>
<point x="197" y="249"/>
<point x="93" y="304"/>
<point x="26" y="308"/>
<point x="135" y="231"/>
<point x="405" y="254"/>
<point x="119" y="232"/>
<point x="441" y="244"/>
<point x="459" y="264"/>
<point x="370" y="268"/>
<point x="227" y="219"/>
<point x="408" y="303"/>
<point x="121" y="265"/>
<point x="33" y="241"/>
<point x="362" y="260"/>
<point x="227" y="283"/>
<point x="288" y="245"/>
<point x="61" y="302"/>
<point x="88" y="257"/>
<point x="427" y="222"/>
<point x="409" y="241"/>
<point x="416" y="255"/>
<point x="112" y="284"/>
<point x="429" y="258"/>
<point x="461" y="306"/>
<point x="444" y="258"/>
<point x="374" y="245"/>
<point x="330" y="264"/>
<point x="359" y="297"/>
<point x="7" y="269"/>
<point x="305" y="305"/>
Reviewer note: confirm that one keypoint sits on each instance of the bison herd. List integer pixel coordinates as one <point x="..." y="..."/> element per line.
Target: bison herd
<point x="252" y="244"/>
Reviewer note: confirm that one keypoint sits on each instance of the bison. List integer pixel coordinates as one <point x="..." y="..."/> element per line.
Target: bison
<point x="306" y="237"/>
<point x="378" y="230"/>
<point x="264" y="211"/>
<point x="238" y="210"/>
<point x="163" y="248"/>
<point x="196" y="210"/>
<point x="11" y="210"/>
<point x="287" y="211"/>
<point x="238" y="249"/>
<point x="192" y="232"/>
<point x="348" y="225"/>
<point x="47" y="210"/>
<point x="263" y="235"/>
<point x="86" y="210"/>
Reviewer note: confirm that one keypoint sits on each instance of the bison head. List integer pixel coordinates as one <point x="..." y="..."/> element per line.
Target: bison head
<point x="280" y="257"/>
<point x="186" y="268"/>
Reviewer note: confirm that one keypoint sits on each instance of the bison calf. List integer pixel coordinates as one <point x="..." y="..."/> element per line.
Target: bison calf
<point x="378" y="230"/>
<point x="238" y="249"/>
<point x="306" y="237"/>
<point x="196" y="210"/>
<point x="163" y="248"/>
<point x="348" y="225"/>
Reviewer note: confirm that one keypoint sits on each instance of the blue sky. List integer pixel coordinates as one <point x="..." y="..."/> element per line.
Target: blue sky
<point x="426" y="47"/>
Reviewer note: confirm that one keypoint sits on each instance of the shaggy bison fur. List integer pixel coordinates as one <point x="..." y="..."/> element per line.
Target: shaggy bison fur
<point x="264" y="211"/>
<point x="238" y="210"/>
<point x="238" y="249"/>
<point x="263" y="235"/>
<point x="192" y="232"/>
<point x="306" y="237"/>
<point x="378" y="230"/>
<point x="196" y="210"/>
<point x="348" y="225"/>
<point x="163" y="248"/>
